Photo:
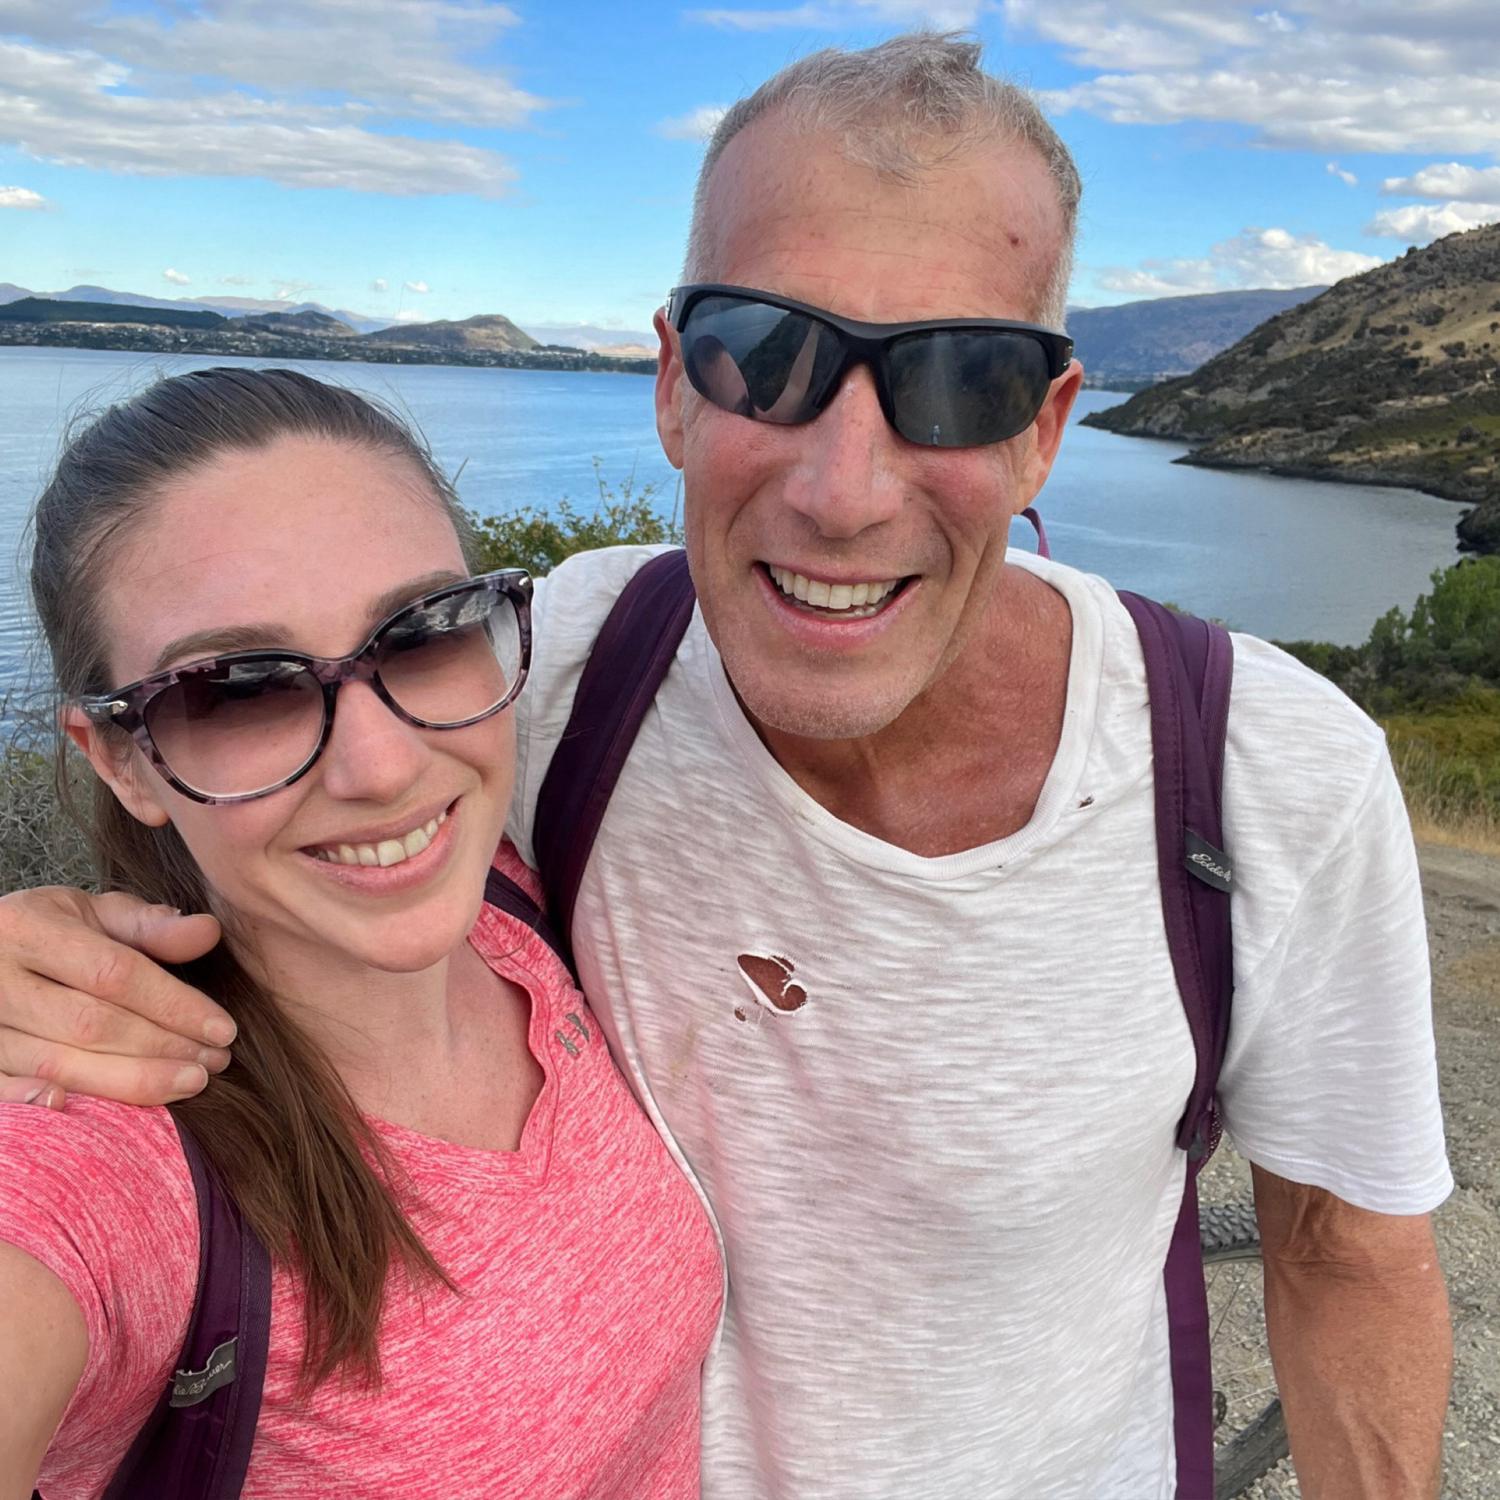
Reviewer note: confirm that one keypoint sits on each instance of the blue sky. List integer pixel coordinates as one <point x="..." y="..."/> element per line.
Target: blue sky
<point x="439" y="158"/>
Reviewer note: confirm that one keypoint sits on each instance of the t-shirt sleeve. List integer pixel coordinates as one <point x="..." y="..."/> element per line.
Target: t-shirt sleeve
<point x="101" y="1195"/>
<point x="1331" y="1074"/>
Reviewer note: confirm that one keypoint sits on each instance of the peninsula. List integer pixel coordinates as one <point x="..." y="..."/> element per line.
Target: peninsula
<point x="1389" y="377"/>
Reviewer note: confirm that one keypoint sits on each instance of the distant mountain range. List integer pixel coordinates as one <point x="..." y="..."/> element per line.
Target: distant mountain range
<point x="1139" y="343"/>
<point x="1127" y="346"/>
<point x="1389" y="377"/>
<point x="228" y="307"/>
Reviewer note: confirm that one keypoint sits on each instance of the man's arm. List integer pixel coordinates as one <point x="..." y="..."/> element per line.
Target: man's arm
<point x="43" y="1346"/>
<point x="1357" y="1315"/>
<point x="84" y="1004"/>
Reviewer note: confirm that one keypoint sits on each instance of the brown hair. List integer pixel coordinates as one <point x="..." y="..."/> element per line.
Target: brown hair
<point x="280" y="1127"/>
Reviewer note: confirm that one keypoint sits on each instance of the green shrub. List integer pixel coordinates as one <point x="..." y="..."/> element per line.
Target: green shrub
<point x="538" y="540"/>
<point x="1448" y="645"/>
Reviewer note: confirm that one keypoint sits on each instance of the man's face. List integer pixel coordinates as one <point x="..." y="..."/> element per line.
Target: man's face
<point x="844" y="500"/>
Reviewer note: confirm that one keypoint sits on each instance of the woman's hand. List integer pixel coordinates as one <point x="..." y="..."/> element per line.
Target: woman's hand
<point x="85" y="1005"/>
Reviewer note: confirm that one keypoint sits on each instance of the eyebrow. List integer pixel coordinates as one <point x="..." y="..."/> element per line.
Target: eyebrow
<point x="265" y="636"/>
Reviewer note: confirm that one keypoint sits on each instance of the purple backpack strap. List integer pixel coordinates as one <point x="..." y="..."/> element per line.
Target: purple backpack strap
<point x="196" y="1443"/>
<point x="1189" y="666"/>
<point x="631" y="655"/>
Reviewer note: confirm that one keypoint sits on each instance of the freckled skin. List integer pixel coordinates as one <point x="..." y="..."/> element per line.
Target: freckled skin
<point x="250" y="539"/>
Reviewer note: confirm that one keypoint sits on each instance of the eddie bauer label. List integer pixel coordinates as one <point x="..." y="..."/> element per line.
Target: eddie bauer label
<point x="189" y="1387"/>
<point x="1210" y="865"/>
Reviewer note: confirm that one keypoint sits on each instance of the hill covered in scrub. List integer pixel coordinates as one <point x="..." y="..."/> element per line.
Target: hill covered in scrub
<point x="488" y="331"/>
<point x="1389" y="377"/>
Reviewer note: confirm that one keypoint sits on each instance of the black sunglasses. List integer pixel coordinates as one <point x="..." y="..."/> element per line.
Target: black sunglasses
<point x="232" y="727"/>
<point x="944" y="383"/>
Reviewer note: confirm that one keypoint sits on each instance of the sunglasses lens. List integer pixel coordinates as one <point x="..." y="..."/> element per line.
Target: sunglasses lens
<point x="965" y="387"/>
<point x="238" y="728"/>
<point x="452" y="660"/>
<point x="758" y="361"/>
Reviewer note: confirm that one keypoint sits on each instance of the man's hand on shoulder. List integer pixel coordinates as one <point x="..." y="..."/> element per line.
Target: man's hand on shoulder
<point x="85" y="1005"/>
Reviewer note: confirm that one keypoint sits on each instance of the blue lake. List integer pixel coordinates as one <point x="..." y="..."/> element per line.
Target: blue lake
<point x="1284" y="558"/>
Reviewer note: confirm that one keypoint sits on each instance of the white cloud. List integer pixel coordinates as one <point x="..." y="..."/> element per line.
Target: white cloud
<point x="380" y="284"/>
<point x="697" y="126"/>
<point x="307" y="93"/>
<point x="237" y="280"/>
<point x="411" y="315"/>
<point x="1346" y="177"/>
<point x="1448" y="180"/>
<point x="1272" y="258"/>
<point x="1322" y="75"/>
<point x="830" y="15"/>
<point x="290" y="291"/>
<point x="19" y="197"/>
<point x="176" y="277"/>
<point x="1421" y="223"/>
<point x="420" y="287"/>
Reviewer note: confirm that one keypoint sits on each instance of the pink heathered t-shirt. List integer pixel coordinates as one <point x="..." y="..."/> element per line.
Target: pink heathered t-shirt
<point x="568" y="1369"/>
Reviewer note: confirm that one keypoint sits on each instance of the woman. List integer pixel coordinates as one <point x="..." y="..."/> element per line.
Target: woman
<point x="489" y="1279"/>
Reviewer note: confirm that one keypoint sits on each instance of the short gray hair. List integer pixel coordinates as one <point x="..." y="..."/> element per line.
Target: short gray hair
<point x="881" y="103"/>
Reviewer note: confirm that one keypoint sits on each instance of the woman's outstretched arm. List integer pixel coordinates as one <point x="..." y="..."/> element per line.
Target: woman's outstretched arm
<point x="43" y="1346"/>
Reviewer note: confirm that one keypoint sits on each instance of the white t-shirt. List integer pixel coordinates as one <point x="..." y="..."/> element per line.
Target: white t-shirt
<point x="931" y="1102"/>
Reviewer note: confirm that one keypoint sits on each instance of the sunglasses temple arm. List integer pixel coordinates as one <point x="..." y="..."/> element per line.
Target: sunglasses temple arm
<point x="1031" y="514"/>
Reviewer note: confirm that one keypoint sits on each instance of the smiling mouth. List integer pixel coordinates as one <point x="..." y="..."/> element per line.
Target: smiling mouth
<point x="392" y="851"/>
<point x="846" y="601"/>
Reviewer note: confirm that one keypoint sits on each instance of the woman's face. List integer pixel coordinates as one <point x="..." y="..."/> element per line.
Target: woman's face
<point x="308" y="544"/>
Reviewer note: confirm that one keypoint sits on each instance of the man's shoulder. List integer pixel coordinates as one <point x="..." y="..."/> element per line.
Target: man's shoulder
<point x="1285" y="713"/>
<point x="572" y="603"/>
<point x="579" y="592"/>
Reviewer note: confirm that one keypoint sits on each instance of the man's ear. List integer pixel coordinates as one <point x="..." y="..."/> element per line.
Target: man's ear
<point x="119" y="765"/>
<point x="668" y="389"/>
<point x="1047" y="432"/>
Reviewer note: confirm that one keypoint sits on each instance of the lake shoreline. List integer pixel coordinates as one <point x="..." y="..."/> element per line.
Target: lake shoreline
<point x="144" y="338"/>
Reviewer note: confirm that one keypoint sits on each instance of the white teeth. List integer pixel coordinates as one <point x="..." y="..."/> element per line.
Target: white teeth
<point x="387" y="851"/>
<point x="834" y="597"/>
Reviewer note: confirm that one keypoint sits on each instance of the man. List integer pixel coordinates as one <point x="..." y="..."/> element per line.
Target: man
<point x="873" y="920"/>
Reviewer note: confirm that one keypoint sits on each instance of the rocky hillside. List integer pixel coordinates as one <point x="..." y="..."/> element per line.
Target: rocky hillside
<point x="1137" y="343"/>
<point x="488" y="331"/>
<point x="1389" y="377"/>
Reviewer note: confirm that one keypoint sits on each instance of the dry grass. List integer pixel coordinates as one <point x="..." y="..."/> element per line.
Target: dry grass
<point x="1450" y="795"/>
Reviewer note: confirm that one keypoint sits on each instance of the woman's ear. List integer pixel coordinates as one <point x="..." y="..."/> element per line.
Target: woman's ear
<point x="119" y="765"/>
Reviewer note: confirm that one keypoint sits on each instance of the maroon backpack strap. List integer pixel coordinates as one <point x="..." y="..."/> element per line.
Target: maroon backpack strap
<point x="503" y="892"/>
<point x="631" y="655"/>
<point x="1189" y="666"/>
<point x="196" y="1443"/>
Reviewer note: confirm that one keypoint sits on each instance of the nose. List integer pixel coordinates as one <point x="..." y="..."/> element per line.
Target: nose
<point x="371" y="755"/>
<point x="849" y="473"/>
